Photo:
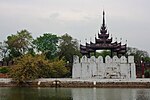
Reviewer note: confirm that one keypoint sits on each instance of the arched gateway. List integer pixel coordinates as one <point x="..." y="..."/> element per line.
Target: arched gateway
<point x="103" y="42"/>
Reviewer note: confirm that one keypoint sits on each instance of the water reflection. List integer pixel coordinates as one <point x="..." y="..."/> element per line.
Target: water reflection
<point x="102" y="94"/>
<point x="73" y="94"/>
<point x="35" y="94"/>
<point x="143" y="94"/>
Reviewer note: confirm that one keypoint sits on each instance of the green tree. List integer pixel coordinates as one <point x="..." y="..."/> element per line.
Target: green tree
<point x="47" y="44"/>
<point x="138" y="54"/>
<point x="19" y="43"/>
<point x="68" y="47"/>
<point x="103" y="53"/>
<point x="4" y="53"/>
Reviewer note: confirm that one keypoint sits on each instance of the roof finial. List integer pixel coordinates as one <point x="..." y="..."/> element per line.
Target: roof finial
<point x="103" y="18"/>
<point x="90" y="39"/>
<point x="120" y="40"/>
<point x="86" y="40"/>
<point x="126" y="42"/>
<point x="116" y="39"/>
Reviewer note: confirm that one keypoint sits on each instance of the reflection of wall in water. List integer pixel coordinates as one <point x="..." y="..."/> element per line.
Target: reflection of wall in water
<point x="84" y="94"/>
<point x="103" y="94"/>
<point x="142" y="94"/>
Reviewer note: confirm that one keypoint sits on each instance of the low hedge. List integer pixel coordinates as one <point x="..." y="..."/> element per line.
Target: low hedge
<point x="147" y="73"/>
<point x="4" y="70"/>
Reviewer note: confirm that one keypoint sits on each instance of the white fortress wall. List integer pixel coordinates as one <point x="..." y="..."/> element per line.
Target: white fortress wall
<point x="100" y="67"/>
<point x="125" y="71"/>
<point x="94" y="67"/>
<point x="85" y="67"/>
<point x="76" y="70"/>
<point x="132" y="67"/>
<point x="115" y="68"/>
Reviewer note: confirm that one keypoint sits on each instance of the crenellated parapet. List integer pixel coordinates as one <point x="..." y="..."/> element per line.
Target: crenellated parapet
<point x="122" y="68"/>
<point x="107" y="59"/>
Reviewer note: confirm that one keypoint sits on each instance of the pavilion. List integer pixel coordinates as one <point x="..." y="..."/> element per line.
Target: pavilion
<point x="103" y="42"/>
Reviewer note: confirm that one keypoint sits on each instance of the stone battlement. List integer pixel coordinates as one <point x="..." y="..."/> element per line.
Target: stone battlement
<point x="118" y="68"/>
<point x="100" y="59"/>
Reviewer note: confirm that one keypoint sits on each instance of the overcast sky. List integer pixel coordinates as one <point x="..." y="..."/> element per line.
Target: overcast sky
<point x="127" y="19"/>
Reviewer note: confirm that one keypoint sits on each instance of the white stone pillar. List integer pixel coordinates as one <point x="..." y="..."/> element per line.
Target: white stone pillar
<point x="100" y="67"/>
<point x="76" y="69"/>
<point x="93" y="66"/>
<point x="84" y="67"/>
<point x="132" y="67"/>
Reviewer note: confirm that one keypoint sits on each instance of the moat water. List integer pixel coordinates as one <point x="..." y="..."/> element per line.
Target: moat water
<point x="8" y="93"/>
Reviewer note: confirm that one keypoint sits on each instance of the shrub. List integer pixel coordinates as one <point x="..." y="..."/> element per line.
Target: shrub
<point x="147" y="73"/>
<point x="4" y="70"/>
<point x="58" y="69"/>
<point x="24" y="69"/>
<point x="30" y="67"/>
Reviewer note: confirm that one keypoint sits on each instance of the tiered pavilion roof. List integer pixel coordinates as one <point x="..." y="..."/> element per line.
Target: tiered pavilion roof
<point x="103" y="42"/>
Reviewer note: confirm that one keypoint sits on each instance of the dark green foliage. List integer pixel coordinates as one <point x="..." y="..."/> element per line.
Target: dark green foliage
<point x="4" y="70"/>
<point x="68" y="47"/>
<point x="147" y="73"/>
<point x="47" y="44"/>
<point x="103" y="53"/>
<point x="18" y="44"/>
<point x="138" y="54"/>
